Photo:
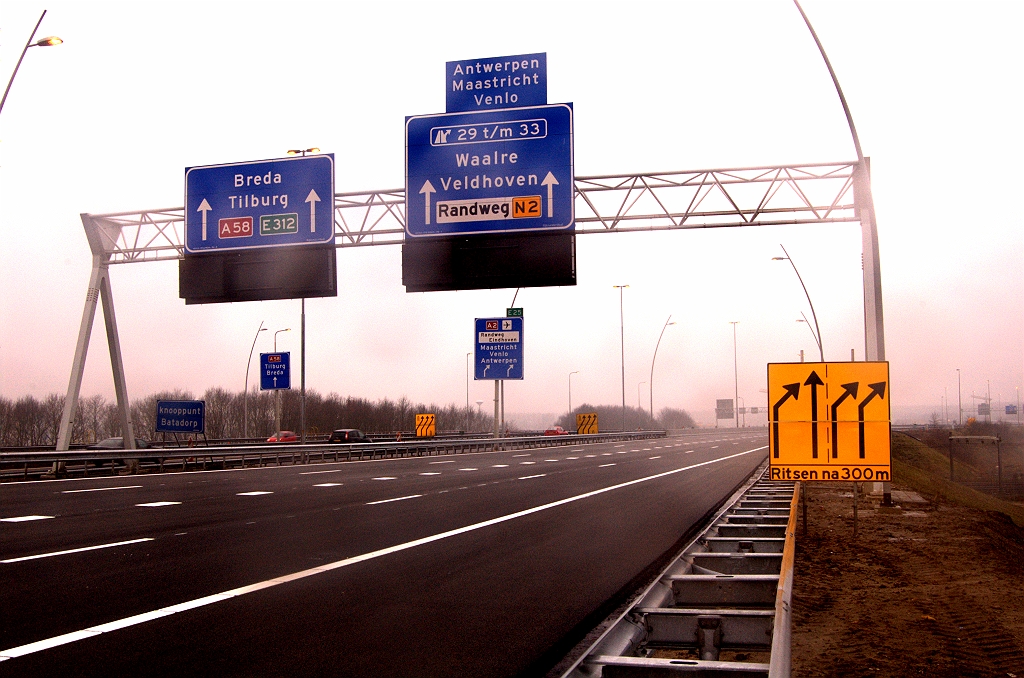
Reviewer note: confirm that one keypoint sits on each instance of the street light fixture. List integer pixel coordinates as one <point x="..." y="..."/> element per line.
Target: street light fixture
<point x="570" y="392"/>
<point x="50" y="41"/>
<point x="814" y="315"/>
<point x="735" y="374"/>
<point x="622" y="344"/>
<point x="245" y="393"/>
<point x="651" y="384"/>
<point x="303" y="151"/>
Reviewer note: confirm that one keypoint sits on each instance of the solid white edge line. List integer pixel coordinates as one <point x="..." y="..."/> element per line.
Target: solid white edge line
<point x="372" y="555"/>
<point x="80" y="550"/>
<point x="101" y="489"/>
<point x="539" y="475"/>
<point x="24" y="519"/>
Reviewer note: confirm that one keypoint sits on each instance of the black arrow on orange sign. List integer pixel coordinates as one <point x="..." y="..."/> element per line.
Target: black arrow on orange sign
<point x="792" y="391"/>
<point x="877" y="390"/>
<point x="814" y="381"/>
<point x="849" y="391"/>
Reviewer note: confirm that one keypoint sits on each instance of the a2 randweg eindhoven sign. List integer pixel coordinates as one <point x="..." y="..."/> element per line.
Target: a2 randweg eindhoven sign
<point x="267" y="203"/>
<point x="275" y="371"/>
<point x="180" y="416"/>
<point x="829" y="421"/>
<point x="499" y="348"/>
<point x="489" y="171"/>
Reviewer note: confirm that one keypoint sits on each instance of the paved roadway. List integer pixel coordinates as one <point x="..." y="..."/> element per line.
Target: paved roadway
<point x="481" y="564"/>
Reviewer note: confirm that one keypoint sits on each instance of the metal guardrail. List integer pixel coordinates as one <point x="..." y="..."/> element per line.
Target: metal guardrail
<point x="48" y="464"/>
<point x="722" y="608"/>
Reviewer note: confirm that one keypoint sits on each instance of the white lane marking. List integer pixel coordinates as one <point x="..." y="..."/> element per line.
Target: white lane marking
<point x="327" y="485"/>
<point x="23" y="519"/>
<point x="67" y="638"/>
<point x="688" y="451"/>
<point x="442" y="462"/>
<point x="647" y="449"/>
<point x="590" y="456"/>
<point x="603" y="465"/>
<point x="157" y="504"/>
<point x="550" y="460"/>
<point x="527" y="463"/>
<point x="714" y="447"/>
<point x="81" y="550"/>
<point x="388" y="501"/>
<point x="522" y="455"/>
<point x="606" y="454"/>
<point x="384" y="478"/>
<point x="658" y="457"/>
<point x="499" y="466"/>
<point x="467" y="469"/>
<point x="430" y="473"/>
<point x="635" y="450"/>
<point x="621" y="452"/>
<point x="572" y="457"/>
<point x="539" y="475"/>
<point x="102" y="489"/>
<point x="313" y="473"/>
<point x="254" y="493"/>
<point x="622" y="445"/>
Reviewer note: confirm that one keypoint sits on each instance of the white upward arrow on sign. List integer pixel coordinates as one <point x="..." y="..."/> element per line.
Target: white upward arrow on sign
<point x="550" y="181"/>
<point x="312" y="199"/>
<point x="427" y="189"/>
<point x="204" y="207"/>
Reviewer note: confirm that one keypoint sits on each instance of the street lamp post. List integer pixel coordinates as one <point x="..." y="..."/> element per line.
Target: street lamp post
<point x="817" y="339"/>
<point x="245" y="393"/>
<point x="622" y="344"/>
<point x="814" y="315"/>
<point x="479" y="412"/>
<point x="639" y="410"/>
<point x="469" y="412"/>
<point x="570" y="392"/>
<point x="651" y="383"/>
<point x="959" y="398"/>
<point x="277" y="394"/>
<point x="735" y="374"/>
<point x="50" y="41"/>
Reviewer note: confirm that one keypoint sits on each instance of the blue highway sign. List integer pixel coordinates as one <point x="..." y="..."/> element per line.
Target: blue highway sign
<point x="490" y="171"/>
<point x="499" y="348"/>
<point x="496" y="82"/>
<point x="181" y="416"/>
<point x="275" y="371"/>
<point x="267" y="203"/>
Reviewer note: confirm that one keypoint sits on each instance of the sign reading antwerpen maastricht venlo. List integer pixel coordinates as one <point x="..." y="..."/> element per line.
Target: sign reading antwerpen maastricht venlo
<point x="267" y="203"/>
<point x="497" y="82"/>
<point x="494" y="171"/>
<point x="499" y="348"/>
<point x="180" y="416"/>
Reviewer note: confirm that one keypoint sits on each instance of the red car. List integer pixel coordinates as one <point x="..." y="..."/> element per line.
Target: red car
<point x="556" y="431"/>
<point x="283" y="437"/>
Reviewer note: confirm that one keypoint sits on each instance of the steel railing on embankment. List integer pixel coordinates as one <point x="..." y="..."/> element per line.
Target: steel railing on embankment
<point x="48" y="463"/>
<point x="721" y="608"/>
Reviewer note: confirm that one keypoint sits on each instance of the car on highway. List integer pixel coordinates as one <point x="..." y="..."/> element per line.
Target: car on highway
<point x="348" y="435"/>
<point x="556" y="431"/>
<point x="283" y="437"/>
<point x="118" y="444"/>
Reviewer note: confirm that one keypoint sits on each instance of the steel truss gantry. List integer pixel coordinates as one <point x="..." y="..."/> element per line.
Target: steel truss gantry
<point x="821" y="193"/>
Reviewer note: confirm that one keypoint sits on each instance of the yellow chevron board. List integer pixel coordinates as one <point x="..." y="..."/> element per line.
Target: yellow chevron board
<point x="426" y="426"/>
<point x="586" y="423"/>
<point x="829" y="421"/>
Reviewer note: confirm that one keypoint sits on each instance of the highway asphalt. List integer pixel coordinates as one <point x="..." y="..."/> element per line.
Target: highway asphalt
<point x="482" y="564"/>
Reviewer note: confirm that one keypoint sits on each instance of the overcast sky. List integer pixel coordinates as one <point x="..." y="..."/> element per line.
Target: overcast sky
<point x="108" y="121"/>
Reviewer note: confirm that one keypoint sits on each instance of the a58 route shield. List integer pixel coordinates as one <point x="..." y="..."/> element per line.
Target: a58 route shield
<point x="499" y="171"/>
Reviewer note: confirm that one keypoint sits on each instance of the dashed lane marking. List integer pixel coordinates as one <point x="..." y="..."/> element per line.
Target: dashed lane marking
<point x="23" y="519"/>
<point x="442" y="462"/>
<point x="158" y="504"/>
<point x="327" y="485"/>
<point x="527" y="463"/>
<point x="384" y="478"/>
<point x="102" y="489"/>
<point x="57" y="641"/>
<point x="388" y="501"/>
<point x="430" y="473"/>
<point x="79" y="550"/>
<point x="313" y="473"/>
<point x="604" y="465"/>
<point x="539" y="475"/>
<point x="499" y="466"/>
<point x="658" y="457"/>
<point x="522" y="455"/>
<point x="254" y="493"/>
<point x="467" y="469"/>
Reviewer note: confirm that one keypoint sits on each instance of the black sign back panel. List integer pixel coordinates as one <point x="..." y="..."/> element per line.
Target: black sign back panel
<point x="488" y="261"/>
<point x="259" y="274"/>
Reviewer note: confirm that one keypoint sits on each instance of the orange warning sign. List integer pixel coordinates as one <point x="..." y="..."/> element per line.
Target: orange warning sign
<point x="526" y="207"/>
<point x="829" y="421"/>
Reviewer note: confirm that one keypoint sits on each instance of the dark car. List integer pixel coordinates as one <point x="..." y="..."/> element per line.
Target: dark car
<point x="118" y="444"/>
<point x="348" y="435"/>
<point x="283" y="437"/>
